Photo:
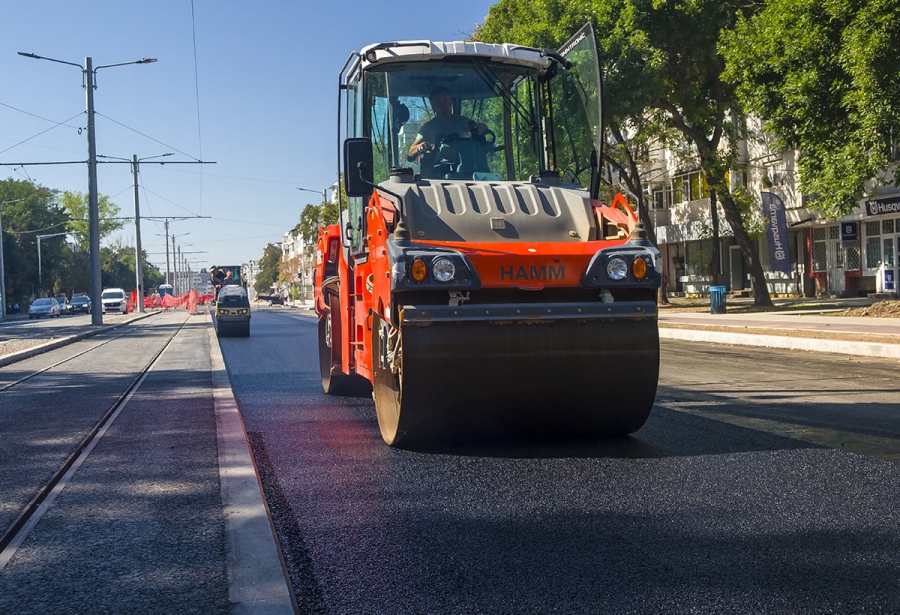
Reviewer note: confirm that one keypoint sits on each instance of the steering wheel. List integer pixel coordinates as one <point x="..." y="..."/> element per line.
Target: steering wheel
<point x="483" y="138"/>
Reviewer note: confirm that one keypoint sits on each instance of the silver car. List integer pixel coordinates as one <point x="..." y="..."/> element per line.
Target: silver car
<point x="47" y="306"/>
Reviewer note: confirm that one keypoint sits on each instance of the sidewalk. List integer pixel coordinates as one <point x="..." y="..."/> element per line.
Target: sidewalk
<point x="800" y="324"/>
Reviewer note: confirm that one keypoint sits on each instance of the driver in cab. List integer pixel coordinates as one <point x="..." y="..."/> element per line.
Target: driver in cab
<point x="443" y="124"/>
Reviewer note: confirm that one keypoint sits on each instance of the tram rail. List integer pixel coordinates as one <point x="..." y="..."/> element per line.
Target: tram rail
<point x="16" y="533"/>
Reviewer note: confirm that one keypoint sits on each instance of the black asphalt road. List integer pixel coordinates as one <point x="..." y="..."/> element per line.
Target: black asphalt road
<point x="710" y="508"/>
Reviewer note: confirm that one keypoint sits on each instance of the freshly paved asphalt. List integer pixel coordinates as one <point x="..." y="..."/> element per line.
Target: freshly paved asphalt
<point x="250" y="548"/>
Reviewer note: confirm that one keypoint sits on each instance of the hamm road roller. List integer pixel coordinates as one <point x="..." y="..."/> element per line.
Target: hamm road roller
<point x="474" y="282"/>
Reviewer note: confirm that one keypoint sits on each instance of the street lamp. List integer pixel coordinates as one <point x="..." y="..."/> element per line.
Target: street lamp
<point x="89" y="74"/>
<point x="324" y="193"/>
<point x="138" y="268"/>
<point x="174" y="260"/>
<point x="2" y="276"/>
<point x="40" y="277"/>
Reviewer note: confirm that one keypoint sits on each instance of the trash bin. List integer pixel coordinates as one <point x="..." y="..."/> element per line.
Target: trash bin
<point x="717" y="299"/>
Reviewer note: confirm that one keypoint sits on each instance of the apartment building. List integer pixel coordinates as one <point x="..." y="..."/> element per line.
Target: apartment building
<point x="855" y="255"/>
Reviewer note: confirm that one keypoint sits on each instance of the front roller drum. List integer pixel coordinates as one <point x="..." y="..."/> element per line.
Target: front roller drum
<point x="464" y="381"/>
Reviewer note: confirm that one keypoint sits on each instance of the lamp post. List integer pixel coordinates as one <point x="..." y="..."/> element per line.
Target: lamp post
<point x="89" y="74"/>
<point x="40" y="274"/>
<point x="138" y="266"/>
<point x="2" y="276"/>
<point x="324" y="193"/>
<point x="175" y="261"/>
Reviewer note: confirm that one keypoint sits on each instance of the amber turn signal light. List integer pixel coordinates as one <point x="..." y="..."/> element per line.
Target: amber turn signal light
<point x="639" y="268"/>
<point x="418" y="270"/>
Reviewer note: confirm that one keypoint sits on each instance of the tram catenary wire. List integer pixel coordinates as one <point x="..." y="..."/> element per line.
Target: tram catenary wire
<point x="15" y="530"/>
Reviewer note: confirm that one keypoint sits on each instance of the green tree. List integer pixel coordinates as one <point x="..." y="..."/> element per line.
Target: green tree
<point x="117" y="267"/>
<point x="268" y="269"/>
<point x="77" y="206"/>
<point x="312" y="216"/>
<point x="661" y="63"/>
<point x="824" y="76"/>
<point x="35" y="212"/>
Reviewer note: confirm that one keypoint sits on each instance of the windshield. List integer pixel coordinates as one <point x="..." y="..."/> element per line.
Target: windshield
<point x="112" y="294"/>
<point x="471" y="116"/>
<point x="41" y="302"/>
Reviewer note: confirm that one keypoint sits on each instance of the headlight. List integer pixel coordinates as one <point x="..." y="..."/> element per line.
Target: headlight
<point x="242" y="311"/>
<point x="443" y="269"/>
<point x="616" y="269"/>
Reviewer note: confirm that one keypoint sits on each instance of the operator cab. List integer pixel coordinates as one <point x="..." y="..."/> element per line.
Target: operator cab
<point x="541" y="110"/>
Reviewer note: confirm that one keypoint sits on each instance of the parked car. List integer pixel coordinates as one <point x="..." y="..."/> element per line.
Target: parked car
<point x="45" y="306"/>
<point x="114" y="300"/>
<point x="63" y="302"/>
<point x="80" y="303"/>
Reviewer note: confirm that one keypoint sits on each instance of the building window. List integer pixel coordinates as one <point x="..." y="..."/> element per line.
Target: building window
<point x="659" y="199"/>
<point x="887" y="226"/>
<point x="677" y="190"/>
<point x="819" y="250"/>
<point x="873" y="252"/>
<point x="873" y="228"/>
<point x="852" y="258"/>
<point x="889" y="252"/>
<point x="689" y="187"/>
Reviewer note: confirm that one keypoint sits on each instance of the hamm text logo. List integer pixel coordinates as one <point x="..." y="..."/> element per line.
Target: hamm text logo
<point x="544" y="272"/>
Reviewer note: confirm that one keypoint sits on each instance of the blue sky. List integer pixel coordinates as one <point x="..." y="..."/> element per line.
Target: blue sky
<point x="260" y="101"/>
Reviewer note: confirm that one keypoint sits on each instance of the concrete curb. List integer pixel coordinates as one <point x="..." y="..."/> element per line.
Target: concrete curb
<point x="65" y="341"/>
<point x="257" y="581"/>
<point x="865" y="349"/>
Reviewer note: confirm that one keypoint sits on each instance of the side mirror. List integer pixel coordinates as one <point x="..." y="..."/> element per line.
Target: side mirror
<point x="358" y="173"/>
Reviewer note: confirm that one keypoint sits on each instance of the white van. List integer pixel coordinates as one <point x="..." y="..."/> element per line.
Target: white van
<point x="114" y="300"/>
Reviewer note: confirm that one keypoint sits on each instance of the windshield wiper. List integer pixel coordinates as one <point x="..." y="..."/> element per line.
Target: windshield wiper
<point x="498" y="88"/>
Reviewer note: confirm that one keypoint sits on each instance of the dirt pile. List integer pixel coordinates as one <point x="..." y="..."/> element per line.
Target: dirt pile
<point x="882" y="309"/>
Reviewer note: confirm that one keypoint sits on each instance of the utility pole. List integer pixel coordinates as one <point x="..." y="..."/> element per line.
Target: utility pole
<point x="138" y="256"/>
<point x="89" y="74"/>
<point x="175" y="288"/>
<point x="93" y="201"/>
<point x="138" y="274"/>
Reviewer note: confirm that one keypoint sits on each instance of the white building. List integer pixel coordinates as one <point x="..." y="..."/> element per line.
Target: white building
<point x="850" y="256"/>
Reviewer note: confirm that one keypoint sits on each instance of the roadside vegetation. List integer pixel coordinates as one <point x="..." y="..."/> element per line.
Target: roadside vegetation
<point x="31" y="210"/>
<point x="822" y="75"/>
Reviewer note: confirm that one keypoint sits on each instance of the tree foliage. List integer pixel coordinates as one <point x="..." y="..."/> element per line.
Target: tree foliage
<point x="268" y="269"/>
<point x="313" y="216"/>
<point x="34" y="212"/>
<point x="77" y="206"/>
<point x="662" y="70"/>
<point x="824" y="76"/>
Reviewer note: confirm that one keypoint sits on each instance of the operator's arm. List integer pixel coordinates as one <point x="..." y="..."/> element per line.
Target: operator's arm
<point x="418" y="146"/>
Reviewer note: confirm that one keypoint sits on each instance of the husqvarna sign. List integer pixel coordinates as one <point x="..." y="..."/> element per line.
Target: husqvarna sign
<point x="776" y="232"/>
<point x="889" y="205"/>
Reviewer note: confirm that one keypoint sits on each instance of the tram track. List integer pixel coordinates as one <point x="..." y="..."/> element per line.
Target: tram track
<point x="66" y="360"/>
<point x="16" y="533"/>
